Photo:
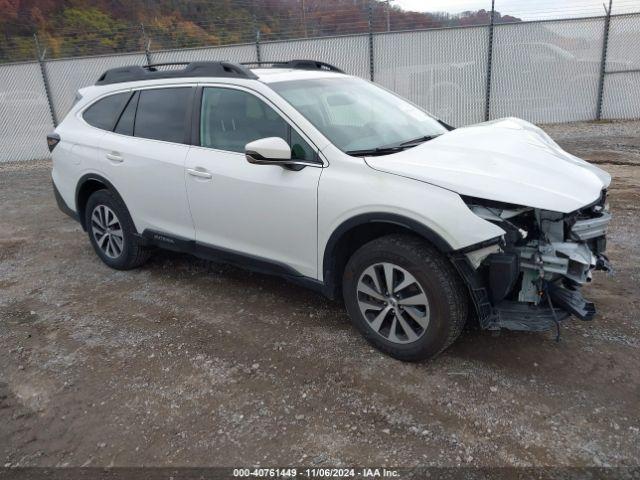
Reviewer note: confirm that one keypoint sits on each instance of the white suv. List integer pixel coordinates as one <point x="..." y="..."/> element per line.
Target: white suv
<point x="299" y="170"/>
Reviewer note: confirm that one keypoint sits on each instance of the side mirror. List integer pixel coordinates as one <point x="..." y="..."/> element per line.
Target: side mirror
<point x="273" y="151"/>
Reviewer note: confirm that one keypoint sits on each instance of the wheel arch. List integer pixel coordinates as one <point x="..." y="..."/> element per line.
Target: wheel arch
<point x="358" y="230"/>
<point x="87" y="185"/>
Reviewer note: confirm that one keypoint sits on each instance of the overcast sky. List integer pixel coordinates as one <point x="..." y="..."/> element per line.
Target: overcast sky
<point x="525" y="9"/>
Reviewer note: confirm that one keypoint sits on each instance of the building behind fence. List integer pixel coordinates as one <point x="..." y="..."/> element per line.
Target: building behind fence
<point x="543" y="71"/>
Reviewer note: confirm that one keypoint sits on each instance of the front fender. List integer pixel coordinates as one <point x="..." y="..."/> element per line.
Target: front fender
<point x="354" y="192"/>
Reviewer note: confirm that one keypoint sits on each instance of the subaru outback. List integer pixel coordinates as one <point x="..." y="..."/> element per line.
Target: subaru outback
<point x="299" y="170"/>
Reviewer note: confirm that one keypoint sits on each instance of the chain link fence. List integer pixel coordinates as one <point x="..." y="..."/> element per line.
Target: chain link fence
<point x="441" y="70"/>
<point x="350" y="53"/>
<point x="25" y="116"/>
<point x="621" y="97"/>
<point x="548" y="71"/>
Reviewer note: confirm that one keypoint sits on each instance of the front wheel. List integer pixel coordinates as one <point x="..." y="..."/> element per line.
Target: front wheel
<point x="405" y="297"/>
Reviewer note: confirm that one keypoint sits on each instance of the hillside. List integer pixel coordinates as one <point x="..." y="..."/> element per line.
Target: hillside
<point x="83" y="27"/>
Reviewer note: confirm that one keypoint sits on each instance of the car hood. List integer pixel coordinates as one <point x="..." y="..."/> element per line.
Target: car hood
<point x="508" y="160"/>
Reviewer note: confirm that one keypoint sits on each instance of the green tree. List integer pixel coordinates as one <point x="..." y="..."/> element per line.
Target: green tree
<point x="86" y="31"/>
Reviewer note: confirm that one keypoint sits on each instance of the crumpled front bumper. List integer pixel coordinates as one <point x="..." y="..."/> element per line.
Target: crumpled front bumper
<point x="534" y="286"/>
<point x="571" y="301"/>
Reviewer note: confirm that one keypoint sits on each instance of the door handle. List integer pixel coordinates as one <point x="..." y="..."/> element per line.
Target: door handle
<point x="114" y="157"/>
<point x="198" y="172"/>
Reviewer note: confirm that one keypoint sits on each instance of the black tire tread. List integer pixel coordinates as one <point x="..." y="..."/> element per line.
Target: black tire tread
<point x="437" y="265"/>
<point x="137" y="254"/>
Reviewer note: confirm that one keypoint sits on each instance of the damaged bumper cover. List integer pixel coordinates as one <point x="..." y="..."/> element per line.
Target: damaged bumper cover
<point x="572" y="302"/>
<point x="531" y="279"/>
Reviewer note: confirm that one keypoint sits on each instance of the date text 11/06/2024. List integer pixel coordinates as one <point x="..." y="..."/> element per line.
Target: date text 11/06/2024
<point x="315" y="473"/>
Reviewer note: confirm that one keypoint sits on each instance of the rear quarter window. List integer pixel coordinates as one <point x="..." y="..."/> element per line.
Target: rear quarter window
<point x="125" y="124"/>
<point x="104" y="113"/>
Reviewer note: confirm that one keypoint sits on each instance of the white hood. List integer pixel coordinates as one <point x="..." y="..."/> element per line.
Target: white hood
<point x="508" y="160"/>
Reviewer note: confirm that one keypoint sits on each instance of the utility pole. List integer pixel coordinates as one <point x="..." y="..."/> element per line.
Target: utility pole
<point x="304" y="18"/>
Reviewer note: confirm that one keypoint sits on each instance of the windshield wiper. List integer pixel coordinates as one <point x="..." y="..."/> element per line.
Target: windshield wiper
<point x="375" y="151"/>
<point x="418" y="141"/>
<point x="392" y="148"/>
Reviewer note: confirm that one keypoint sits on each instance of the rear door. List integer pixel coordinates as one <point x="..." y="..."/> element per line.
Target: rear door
<point x="144" y="157"/>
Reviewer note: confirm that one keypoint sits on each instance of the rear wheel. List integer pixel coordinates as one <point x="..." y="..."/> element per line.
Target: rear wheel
<point x="405" y="297"/>
<point x="112" y="233"/>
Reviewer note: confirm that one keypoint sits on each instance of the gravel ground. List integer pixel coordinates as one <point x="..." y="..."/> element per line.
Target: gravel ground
<point x="616" y="143"/>
<point x="184" y="362"/>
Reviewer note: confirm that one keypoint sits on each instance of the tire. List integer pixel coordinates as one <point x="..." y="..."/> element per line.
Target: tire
<point x="422" y="329"/>
<point x="120" y="248"/>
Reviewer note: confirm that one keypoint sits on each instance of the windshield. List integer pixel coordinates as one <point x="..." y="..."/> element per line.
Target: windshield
<point x="357" y="116"/>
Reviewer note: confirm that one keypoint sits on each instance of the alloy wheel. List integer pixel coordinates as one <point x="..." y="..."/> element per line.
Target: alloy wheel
<point x="393" y="302"/>
<point x="107" y="231"/>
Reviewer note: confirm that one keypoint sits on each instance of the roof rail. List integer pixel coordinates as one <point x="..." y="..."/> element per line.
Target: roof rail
<point x="298" y="64"/>
<point x="135" y="73"/>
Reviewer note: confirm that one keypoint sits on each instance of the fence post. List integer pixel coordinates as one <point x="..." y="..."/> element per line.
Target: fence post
<point x="371" y="67"/>
<point x="388" y="15"/>
<point x="45" y="79"/>
<point x="603" y="62"/>
<point x="304" y="19"/>
<point x="487" y="104"/>
<point x="256" y="28"/>
<point x="258" y="51"/>
<point x="147" y="45"/>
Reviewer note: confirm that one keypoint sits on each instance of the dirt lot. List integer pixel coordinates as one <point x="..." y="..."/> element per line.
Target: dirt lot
<point x="188" y="363"/>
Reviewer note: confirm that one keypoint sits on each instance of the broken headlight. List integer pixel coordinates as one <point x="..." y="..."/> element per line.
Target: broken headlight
<point x="517" y="221"/>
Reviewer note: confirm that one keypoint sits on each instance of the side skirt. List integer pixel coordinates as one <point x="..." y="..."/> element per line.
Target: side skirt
<point x="231" y="257"/>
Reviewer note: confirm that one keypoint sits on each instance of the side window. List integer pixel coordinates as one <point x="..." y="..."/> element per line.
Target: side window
<point x="229" y="119"/>
<point x="125" y="123"/>
<point x="301" y="150"/>
<point x="162" y="113"/>
<point x="104" y="113"/>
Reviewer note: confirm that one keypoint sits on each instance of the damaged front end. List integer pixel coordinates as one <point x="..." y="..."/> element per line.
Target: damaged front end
<point x="531" y="279"/>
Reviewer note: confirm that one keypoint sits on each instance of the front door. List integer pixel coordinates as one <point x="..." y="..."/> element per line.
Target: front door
<point x="261" y="211"/>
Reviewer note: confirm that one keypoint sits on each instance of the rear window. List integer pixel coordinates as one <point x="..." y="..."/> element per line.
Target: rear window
<point x="162" y="113"/>
<point x="104" y="112"/>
